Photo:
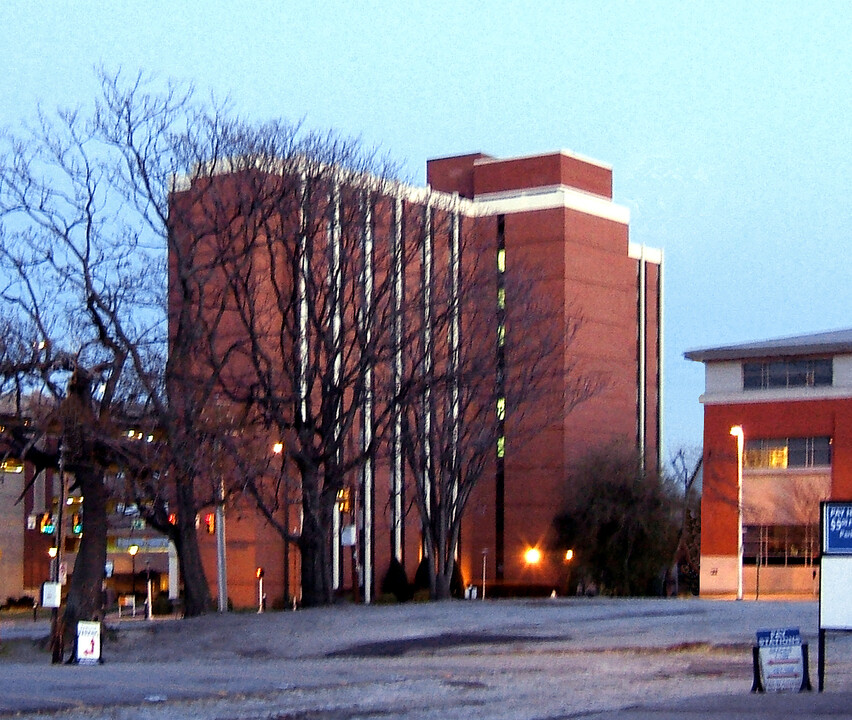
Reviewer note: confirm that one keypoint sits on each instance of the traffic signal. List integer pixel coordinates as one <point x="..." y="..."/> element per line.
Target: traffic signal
<point x="77" y="524"/>
<point x="258" y="573"/>
<point x="47" y="526"/>
<point x="210" y="523"/>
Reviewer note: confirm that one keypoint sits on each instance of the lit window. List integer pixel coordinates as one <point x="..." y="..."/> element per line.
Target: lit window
<point x="501" y="334"/>
<point x="501" y="446"/>
<point x="501" y="408"/>
<point x="501" y="260"/>
<point x="781" y="453"/>
<point x="501" y="298"/>
<point x="343" y="500"/>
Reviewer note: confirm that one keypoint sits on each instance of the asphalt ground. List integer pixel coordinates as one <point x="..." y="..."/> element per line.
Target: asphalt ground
<point x="533" y="659"/>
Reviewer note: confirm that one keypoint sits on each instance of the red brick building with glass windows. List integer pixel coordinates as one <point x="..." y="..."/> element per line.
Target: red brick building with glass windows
<point x="554" y="215"/>
<point x="792" y="399"/>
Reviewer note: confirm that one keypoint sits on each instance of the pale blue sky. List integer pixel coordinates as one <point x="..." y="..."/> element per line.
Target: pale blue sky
<point x="727" y="123"/>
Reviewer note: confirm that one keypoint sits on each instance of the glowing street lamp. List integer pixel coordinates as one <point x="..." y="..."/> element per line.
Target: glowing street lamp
<point x="737" y="432"/>
<point x="278" y="449"/>
<point x="52" y="552"/>
<point x="133" y="549"/>
<point x="532" y="556"/>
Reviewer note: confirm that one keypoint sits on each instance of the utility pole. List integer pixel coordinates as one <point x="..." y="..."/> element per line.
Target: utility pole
<point x="56" y="648"/>
<point x="221" y="559"/>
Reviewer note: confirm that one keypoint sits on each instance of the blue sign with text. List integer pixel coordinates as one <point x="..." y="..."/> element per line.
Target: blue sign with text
<point x="837" y="528"/>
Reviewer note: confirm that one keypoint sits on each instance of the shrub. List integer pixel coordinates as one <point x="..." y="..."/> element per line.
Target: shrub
<point x="161" y="604"/>
<point x="396" y="582"/>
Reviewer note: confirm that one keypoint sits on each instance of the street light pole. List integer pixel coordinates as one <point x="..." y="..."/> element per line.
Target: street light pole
<point x="484" y="558"/>
<point x="737" y="432"/>
<point x="221" y="557"/>
<point x="133" y="549"/>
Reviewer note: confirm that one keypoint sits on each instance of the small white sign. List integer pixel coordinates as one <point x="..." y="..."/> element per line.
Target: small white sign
<point x="51" y="595"/>
<point x="88" y="642"/>
<point x="781" y="661"/>
<point x="63" y="573"/>
<point x="348" y="536"/>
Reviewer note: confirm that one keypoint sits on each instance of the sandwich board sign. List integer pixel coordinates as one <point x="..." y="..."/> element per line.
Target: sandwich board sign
<point x="88" y="642"/>
<point x="780" y="658"/>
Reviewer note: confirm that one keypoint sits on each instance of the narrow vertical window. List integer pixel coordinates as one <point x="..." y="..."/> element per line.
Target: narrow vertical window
<point x="500" y="392"/>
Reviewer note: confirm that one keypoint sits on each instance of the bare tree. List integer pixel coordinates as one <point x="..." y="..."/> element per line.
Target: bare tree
<point x="480" y="375"/>
<point x="87" y="243"/>
<point x="300" y="229"/>
<point x="685" y="478"/>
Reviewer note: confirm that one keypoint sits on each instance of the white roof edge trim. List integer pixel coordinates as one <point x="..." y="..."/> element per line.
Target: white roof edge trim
<point x="567" y="153"/>
<point x="780" y="396"/>
<point x="389" y="187"/>
<point x="635" y="251"/>
<point x="548" y="198"/>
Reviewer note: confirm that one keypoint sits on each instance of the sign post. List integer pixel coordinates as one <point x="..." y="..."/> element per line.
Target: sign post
<point x="835" y="575"/>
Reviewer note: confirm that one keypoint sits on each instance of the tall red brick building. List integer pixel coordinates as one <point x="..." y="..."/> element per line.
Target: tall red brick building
<point x="554" y="216"/>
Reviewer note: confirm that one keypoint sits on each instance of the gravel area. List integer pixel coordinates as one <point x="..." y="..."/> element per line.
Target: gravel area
<point x="536" y="659"/>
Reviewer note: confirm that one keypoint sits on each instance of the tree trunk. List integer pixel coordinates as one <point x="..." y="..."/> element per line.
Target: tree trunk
<point x="85" y="594"/>
<point x="196" y="591"/>
<point x="443" y="583"/>
<point x="84" y="600"/>
<point x="313" y="544"/>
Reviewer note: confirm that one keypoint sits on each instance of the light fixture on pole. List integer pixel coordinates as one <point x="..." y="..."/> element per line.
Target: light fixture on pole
<point x="737" y="432"/>
<point x="133" y="549"/>
<point x="278" y="449"/>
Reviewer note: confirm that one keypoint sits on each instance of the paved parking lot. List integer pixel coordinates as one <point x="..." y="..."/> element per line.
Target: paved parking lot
<point x="536" y="659"/>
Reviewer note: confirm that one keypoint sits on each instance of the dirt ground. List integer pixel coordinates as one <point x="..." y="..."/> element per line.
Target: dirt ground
<point x="537" y="659"/>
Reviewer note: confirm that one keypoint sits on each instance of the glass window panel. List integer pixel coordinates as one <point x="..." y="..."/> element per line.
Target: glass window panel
<point x="798" y="373"/>
<point x="752" y="376"/>
<point x="777" y="374"/>
<point x="821" y="451"/>
<point x="822" y="372"/>
<point x="787" y="373"/>
<point x="765" y="454"/>
<point x="797" y="452"/>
